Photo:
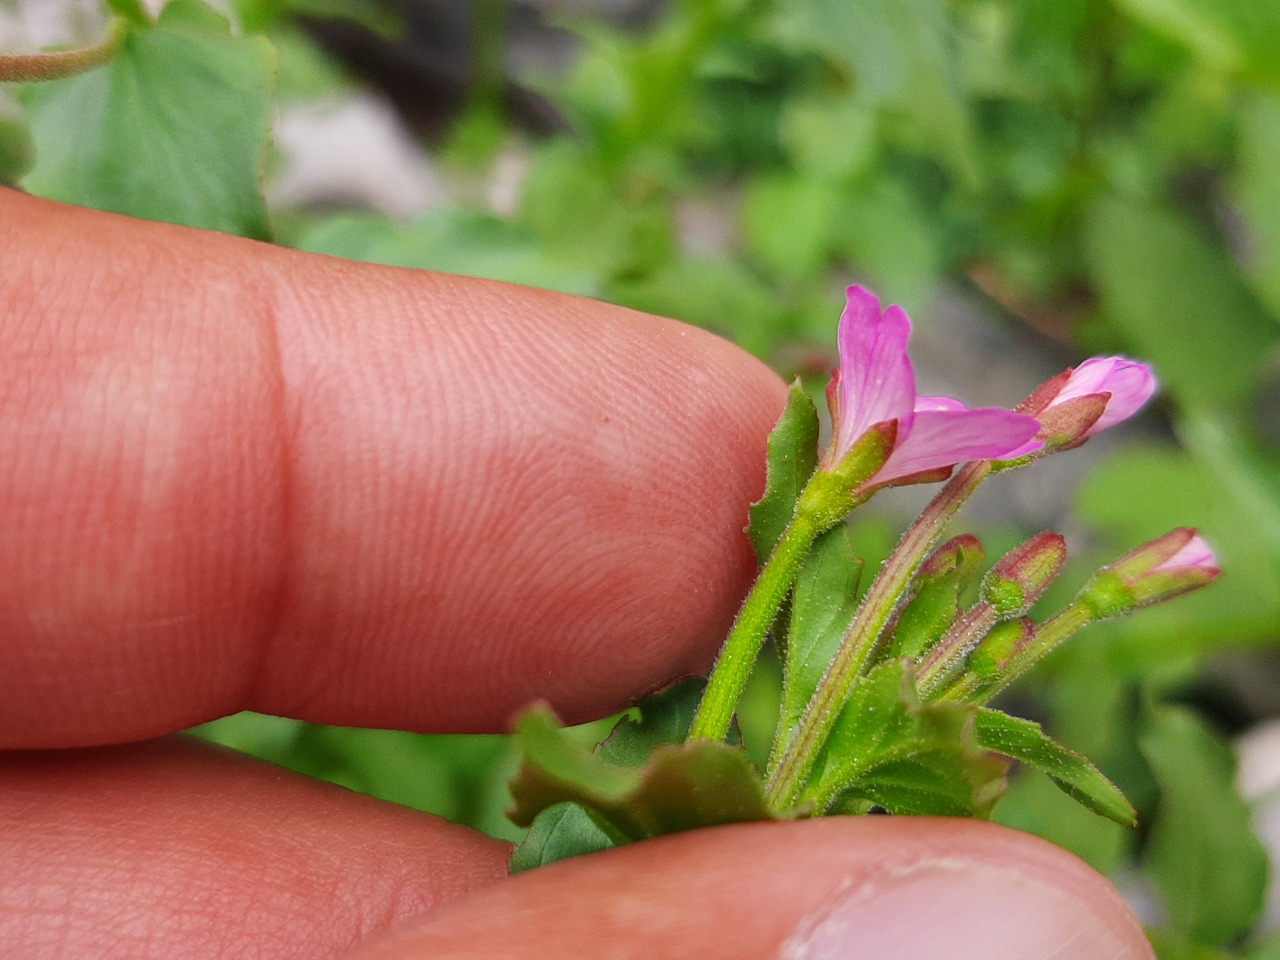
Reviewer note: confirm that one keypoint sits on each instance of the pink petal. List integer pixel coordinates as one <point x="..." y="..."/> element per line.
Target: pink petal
<point x="940" y="438"/>
<point x="938" y="403"/>
<point x="1196" y="553"/>
<point x="1130" y="384"/>
<point x="877" y="382"/>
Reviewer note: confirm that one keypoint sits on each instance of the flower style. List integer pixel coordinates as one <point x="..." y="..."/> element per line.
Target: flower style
<point x="875" y="386"/>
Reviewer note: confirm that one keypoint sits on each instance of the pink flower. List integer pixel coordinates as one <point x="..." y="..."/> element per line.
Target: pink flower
<point x="1079" y="402"/>
<point x="876" y="384"/>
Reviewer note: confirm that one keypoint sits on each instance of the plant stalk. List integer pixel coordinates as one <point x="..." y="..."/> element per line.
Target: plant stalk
<point x="788" y="778"/>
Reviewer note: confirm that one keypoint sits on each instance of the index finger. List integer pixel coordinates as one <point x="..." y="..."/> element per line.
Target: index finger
<point x="244" y="477"/>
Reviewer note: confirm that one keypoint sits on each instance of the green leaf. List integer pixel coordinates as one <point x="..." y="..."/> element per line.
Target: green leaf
<point x="788" y="221"/>
<point x="1257" y="193"/>
<point x="450" y="240"/>
<point x="792" y="457"/>
<point x="175" y="128"/>
<point x="909" y="757"/>
<point x="1202" y="853"/>
<point x="681" y="787"/>
<point x="1025" y="742"/>
<point x="824" y="601"/>
<point x="901" y="59"/>
<point x="558" y="832"/>
<point x="1180" y="302"/>
<point x="663" y="718"/>
<point x="1234" y="36"/>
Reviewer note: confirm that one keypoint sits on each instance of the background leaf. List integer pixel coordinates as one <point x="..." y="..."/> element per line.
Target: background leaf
<point x="1210" y="868"/>
<point x="175" y="128"/>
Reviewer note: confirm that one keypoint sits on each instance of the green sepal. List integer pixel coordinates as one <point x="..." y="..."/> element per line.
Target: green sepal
<point x="892" y="750"/>
<point x="680" y="786"/>
<point x="176" y="127"/>
<point x="1024" y="741"/>
<point x="935" y="601"/>
<point x="823" y="603"/>
<point x="558" y="832"/>
<point x="791" y="460"/>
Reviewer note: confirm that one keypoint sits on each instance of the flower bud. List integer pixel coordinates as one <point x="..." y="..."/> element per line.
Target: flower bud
<point x="1080" y="402"/>
<point x="1022" y="575"/>
<point x="999" y="647"/>
<point x="1167" y="567"/>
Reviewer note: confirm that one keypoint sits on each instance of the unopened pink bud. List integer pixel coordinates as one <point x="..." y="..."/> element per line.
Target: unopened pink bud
<point x="1020" y="577"/>
<point x="1080" y="402"/>
<point x="1167" y="567"/>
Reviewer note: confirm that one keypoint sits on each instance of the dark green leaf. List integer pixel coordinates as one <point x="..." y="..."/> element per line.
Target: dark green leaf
<point x="1202" y="852"/>
<point x="681" y="787"/>
<point x="664" y="718"/>
<point x="942" y="782"/>
<point x="822" y="607"/>
<point x="792" y="458"/>
<point x="175" y="128"/>
<point x="909" y="757"/>
<point x="559" y="832"/>
<point x="1025" y="742"/>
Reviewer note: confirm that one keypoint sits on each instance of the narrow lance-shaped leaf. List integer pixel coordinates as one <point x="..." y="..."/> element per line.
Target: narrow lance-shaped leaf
<point x="1025" y="742"/>
<point x="823" y="603"/>
<point x="792" y="458"/>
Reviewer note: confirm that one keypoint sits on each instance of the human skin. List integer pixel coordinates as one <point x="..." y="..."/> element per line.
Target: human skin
<point x="240" y="477"/>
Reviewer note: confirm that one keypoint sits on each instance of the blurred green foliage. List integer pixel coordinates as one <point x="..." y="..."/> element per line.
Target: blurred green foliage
<point x="1101" y="172"/>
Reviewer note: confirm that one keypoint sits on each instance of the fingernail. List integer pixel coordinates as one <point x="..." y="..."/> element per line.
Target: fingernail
<point x="957" y="910"/>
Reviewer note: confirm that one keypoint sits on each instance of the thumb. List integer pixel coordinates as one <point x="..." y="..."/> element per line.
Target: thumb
<point x="880" y="888"/>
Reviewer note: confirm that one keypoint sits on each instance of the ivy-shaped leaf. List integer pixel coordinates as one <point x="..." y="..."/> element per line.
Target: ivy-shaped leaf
<point x="1025" y="742"/>
<point x="680" y="787"/>
<point x="892" y="750"/>
<point x="792" y="457"/>
<point x="175" y="128"/>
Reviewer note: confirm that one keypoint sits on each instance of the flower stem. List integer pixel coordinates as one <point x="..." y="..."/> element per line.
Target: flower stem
<point x="59" y="64"/>
<point x="1048" y="635"/>
<point x="788" y="778"/>
<point x="738" y="656"/>
<point x="940" y="662"/>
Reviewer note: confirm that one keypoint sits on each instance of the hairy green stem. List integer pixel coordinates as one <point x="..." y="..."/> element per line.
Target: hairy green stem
<point x="59" y="64"/>
<point x="738" y="656"/>
<point x="942" y="660"/>
<point x="797" y="759"/>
